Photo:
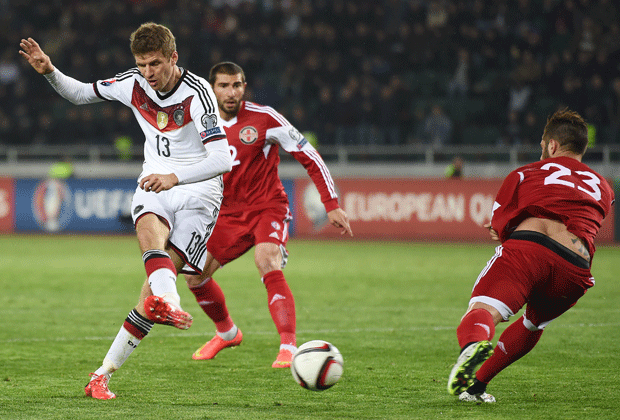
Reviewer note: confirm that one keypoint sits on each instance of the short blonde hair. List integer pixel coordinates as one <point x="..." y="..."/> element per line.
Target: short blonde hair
<point x="151" y="37"/>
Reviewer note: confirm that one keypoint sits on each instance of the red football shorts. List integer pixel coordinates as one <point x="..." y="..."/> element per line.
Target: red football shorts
<point x="530" y="268"/>
<point x="235" y="233"/>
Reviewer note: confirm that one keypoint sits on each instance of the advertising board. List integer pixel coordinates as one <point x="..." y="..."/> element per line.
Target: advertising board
<point x="74" y="205"/>
<point x="407" y="209"/>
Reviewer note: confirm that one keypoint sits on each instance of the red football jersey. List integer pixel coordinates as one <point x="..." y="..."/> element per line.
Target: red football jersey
<point x="562" y="189"/>
<point x="254" y="136"/>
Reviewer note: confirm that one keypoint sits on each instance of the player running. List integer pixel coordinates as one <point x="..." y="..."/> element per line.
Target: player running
<point x="179" y="191"/>
<point x="546" y="216"/>
<point x="255" y="211"/>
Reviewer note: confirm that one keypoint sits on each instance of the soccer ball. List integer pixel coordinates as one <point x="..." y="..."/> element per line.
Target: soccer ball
<point x="317" y="365"/>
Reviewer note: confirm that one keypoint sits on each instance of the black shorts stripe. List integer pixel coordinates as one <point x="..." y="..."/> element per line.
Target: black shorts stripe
<point x="198" y="270"/>
<point x="198" y="254"/>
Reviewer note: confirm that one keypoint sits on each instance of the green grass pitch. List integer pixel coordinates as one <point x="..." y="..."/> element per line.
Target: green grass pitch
<point x="390" y="308"/>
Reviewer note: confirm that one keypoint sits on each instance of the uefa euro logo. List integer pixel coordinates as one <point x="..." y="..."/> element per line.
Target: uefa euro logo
<point x="51" y="205"/>
<point x="314" y="208"/>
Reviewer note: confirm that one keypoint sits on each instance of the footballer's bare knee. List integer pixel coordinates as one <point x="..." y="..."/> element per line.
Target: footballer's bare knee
<point x="193" y="280"/>
<point x="152" y="232"/>
<point x="267" y="257"/>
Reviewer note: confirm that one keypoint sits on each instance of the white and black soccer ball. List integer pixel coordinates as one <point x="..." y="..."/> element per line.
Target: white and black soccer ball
<point x="317" y="365"/>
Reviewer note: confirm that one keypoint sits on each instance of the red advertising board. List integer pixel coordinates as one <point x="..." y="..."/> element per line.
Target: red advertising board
<point x="7" y="205"/>
<point x="407" y="209"/>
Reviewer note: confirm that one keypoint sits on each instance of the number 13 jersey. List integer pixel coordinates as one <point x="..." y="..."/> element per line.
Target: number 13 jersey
<point x="562" y="189"/>
<point x="178" y="125"/>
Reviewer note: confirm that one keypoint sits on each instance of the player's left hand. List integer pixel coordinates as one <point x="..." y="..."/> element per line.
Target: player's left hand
<point x="158" y="182"/>
<point x="339" y="219"/>
<point x="492" y="232"/>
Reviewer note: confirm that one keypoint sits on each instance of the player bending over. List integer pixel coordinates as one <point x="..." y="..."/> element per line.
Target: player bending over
<point x="546" y="215"/>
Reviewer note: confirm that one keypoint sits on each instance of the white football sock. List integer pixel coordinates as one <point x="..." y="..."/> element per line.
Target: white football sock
<point x="163" y="281"/>
<point x="124" y="344"/>
<point x="230" y="334"/>
<point x="288" y="347"/>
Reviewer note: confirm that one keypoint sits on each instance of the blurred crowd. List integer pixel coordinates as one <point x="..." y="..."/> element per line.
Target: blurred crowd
<point x="353" y="72"/>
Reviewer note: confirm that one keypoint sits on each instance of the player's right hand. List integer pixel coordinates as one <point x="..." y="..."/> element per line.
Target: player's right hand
<point x="33" y="53"/>
<point x="158" y="182"/>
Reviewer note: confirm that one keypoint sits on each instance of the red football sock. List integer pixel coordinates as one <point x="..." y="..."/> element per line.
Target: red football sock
<point x="515" y="342"/>
<point x="155" y="259"/>
<point x="281" y="306"/>
<point x="211" y="299"/>
<point x="477" y="325"/>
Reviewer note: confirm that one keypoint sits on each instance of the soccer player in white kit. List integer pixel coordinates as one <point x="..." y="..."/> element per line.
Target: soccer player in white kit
<point x="180" y="189"/>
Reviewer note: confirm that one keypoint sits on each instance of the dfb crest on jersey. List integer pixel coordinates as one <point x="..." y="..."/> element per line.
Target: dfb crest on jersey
<point x="162" y="120"/>
<point x="248" y="134"/>
<point x="178" y="116"/>
<point x="208" y="121"/>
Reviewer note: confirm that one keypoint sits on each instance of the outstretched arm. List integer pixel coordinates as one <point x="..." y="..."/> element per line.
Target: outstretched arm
<point x="73" y="90"/>
<point x="338" y="218"/>
<point x="33" y="53"/>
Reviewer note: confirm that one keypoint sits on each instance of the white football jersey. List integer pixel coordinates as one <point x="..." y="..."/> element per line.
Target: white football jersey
<point x="177" y="125"/>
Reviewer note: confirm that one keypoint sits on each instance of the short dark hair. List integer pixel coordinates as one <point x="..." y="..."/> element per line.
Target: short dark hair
<point x="569" y="129"/>
<point x="225" y="67"/>
<point x="152" y="37"/>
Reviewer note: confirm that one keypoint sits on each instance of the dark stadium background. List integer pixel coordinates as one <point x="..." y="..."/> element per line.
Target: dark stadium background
<point x="385" y="88"/>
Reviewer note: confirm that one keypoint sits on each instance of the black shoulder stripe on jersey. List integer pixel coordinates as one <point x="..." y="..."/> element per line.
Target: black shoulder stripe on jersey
<point x="203" y="94"/>
<point x="127" y="74"/>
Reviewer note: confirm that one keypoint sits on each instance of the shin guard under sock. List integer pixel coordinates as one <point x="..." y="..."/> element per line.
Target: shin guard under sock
<point x="281" y="306"/>
<point x="134" y="329"/>
<point x="210" y="297"/>
<point x="476" y="325"/>
<point x="515" y="342"/>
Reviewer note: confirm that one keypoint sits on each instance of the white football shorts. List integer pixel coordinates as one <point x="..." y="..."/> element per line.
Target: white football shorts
<point x="190" y="219"/>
